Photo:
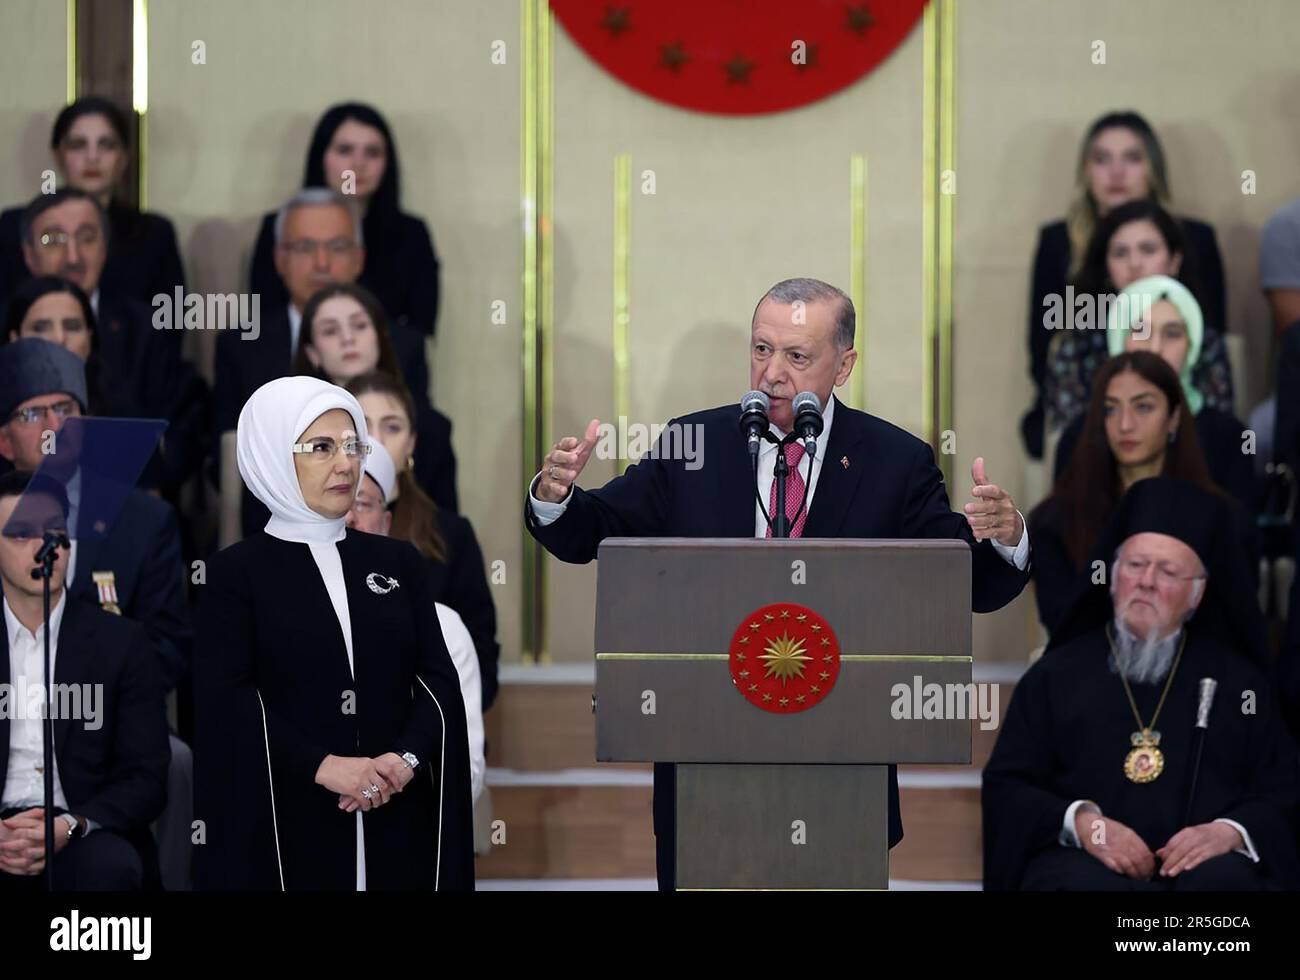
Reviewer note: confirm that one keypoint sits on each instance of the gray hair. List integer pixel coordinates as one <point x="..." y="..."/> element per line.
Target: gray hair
<point x="789" y="291"/>
<point x="314" y="197"/>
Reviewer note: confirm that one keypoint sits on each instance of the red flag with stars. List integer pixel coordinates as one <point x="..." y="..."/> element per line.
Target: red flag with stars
<point x="738" y="57"/>
<point x="784" y="658"/>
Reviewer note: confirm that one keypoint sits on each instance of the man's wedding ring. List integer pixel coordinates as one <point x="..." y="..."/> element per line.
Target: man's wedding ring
<point x="367" y="793"/>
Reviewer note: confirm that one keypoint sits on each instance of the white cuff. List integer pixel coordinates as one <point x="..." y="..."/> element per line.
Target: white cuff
<point x="1249" y="850"/>
<point x="1019" y="555"/>
<point x="543" y="510"/>
<point x="1069" y="836"/>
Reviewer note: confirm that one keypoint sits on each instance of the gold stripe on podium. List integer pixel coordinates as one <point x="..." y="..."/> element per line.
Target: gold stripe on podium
<point x="847" y="657"/>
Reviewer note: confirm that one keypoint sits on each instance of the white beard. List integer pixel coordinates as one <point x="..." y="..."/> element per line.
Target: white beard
<point x="1144" y="660"/>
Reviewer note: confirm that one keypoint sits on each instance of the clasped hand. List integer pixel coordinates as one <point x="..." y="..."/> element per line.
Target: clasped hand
<point x="363" y="783"/>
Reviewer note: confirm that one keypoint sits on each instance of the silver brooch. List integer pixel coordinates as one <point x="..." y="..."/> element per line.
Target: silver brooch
<point x="381" y="584"/>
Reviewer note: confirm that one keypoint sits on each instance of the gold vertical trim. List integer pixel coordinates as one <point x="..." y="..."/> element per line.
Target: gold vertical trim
<point x="947" y="203"/>
<point x="536" y="189"/>
<point x="72" y="51"/>
<point x="622" y="299"/>
<point x="858" y="274"/>
<point x="532" y="555"/>
<point x="140" y="93"/>
<point x="938" y="162"/>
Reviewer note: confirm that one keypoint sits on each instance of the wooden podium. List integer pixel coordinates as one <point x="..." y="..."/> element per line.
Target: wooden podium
<point x="769" y="800"/>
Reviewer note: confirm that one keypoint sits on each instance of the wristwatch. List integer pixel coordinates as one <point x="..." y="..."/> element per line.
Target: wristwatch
<point x="410" y="759"/>
<point x="74" y="826"/>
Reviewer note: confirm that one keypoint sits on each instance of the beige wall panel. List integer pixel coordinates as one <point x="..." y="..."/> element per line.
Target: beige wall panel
<point x="227" y="141"/>
<point x="739" y="204"/>
<point x="1218" y="83"/>
<point x="34" y="83"/>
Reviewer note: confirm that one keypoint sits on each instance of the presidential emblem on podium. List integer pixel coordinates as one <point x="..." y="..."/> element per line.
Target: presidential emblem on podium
<point x="784" y="658"/>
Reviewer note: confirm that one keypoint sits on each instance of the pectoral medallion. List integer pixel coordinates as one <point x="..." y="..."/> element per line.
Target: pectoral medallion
<point x="1145" y="761"/>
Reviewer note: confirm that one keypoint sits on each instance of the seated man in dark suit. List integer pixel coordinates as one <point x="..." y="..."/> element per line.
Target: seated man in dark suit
<point x="869" y="480"/>
<point x="66" y="234"/>
<point x="135" y="570"/>
<point x="110" y="726"/>
<point x="317" y="243"/>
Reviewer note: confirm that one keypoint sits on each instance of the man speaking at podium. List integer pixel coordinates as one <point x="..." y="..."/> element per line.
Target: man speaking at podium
<point x="868" y="479"/>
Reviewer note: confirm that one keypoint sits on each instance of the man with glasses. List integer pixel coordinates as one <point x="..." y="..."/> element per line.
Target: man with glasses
<point x="66" y="235"/>
<point x="1118" y="768"/>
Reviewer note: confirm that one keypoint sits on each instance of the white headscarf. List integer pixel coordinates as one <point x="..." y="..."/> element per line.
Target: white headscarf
<point x="381" y="468"/>
<point x="272" y="420"/>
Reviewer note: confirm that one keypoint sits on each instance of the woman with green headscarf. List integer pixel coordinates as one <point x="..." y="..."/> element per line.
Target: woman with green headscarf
<point x="1159" y="314"/>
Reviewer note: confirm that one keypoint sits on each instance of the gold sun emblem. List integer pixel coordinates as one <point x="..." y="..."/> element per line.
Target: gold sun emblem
<point x="785" y="658"/>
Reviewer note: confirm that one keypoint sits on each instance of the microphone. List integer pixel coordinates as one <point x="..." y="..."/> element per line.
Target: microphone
<point x="753" y="419"/>
<point x="1205" y="699"/>
<point x="808" y="423"/>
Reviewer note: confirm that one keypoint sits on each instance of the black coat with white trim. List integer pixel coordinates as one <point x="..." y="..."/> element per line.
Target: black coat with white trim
<point x="274" y="696"/>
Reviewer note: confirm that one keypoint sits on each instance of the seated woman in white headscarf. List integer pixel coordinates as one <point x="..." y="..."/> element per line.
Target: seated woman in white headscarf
<point x="331" y="743"/>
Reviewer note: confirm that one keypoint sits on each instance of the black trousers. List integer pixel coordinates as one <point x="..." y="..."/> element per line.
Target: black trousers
<point x="100" y="861"/>
<point x="1072" y="869"/>
<point x="665" y="825"/>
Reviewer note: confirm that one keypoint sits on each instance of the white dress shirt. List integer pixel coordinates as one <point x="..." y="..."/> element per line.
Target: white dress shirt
<point x="547" y="512"/>
<point x="461" y="647"/>
<point x="24" y="780"/>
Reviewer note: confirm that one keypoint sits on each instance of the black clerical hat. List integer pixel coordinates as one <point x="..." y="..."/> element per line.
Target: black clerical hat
<point x="1208" y="524"/>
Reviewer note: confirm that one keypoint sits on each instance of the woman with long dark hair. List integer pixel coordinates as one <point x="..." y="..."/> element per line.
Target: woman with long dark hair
<point x="1120" y="160"/>
<point x="352" y="151"/>
<point x="446" y="539"/>
<point x="1137" y="425"/>
<point x="90" y="143"/>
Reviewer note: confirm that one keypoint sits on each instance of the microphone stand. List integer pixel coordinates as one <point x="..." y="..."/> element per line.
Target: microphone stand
<point x="47" y="555"/>
<point x="780" y="522"/>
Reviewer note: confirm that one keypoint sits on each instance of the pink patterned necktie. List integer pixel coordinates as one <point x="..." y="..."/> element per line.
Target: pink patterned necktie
<point x="794" y="491"/>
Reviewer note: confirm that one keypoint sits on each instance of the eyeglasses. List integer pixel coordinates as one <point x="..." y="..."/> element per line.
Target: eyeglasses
<point x="325" y="447"/>
<point x="38" y="413"/>
<point x="85" y="237"/>
<point x="304" y="247"/>
<point x="1137" y="568"/>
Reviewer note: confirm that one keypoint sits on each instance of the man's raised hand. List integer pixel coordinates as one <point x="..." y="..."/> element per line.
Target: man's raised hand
<point x="564" y="462"/>
<point x="993" y="514"/>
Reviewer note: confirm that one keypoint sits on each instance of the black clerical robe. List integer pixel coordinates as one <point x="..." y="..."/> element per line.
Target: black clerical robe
<point x="1066" y="734"/>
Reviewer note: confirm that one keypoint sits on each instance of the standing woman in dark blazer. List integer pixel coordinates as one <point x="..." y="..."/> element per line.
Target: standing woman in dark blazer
<point x="90" y="145"/>
<point x="331" y="749"/>
<point x="1120" y="160"/>
<point x="401" y="267"/>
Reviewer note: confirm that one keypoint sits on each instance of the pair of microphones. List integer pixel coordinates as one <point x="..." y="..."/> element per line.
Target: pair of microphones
<point x="755" y="425"/>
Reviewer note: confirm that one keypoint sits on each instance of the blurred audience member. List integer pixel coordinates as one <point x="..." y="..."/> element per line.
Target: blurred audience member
<point x="446" y="539"/>
<point x="91" y="150"/>
<point x="1176" y="333"/>
<point x="352" y="152"/>
<point x="1132" y="241"/>
<point x="1135" y="428"/>
<point x="1279" y="265"/>
<point x="1120" y="160"/>
<point x="318" y="243"/>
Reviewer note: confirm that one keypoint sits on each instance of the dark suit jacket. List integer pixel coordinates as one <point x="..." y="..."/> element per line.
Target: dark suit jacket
<point x="139" y="373"/>
<point x="116" y="774"/>
<point x="143" y="259"/>
<point x="461" y="583"/>
<point x="143" y="550"/>
<point x="1202" y="271"/>
<point x="891" y="489"/>
<point x="272" y="688"/>
<point x="401" y="270"/>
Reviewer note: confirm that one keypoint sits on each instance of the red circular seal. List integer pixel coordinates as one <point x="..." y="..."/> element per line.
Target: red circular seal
<point x="738" y="58"/>
<point x="784" y="658"/>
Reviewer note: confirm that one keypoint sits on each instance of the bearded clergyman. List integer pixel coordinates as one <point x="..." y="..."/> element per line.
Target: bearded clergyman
<point x="1144" y="750"/>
